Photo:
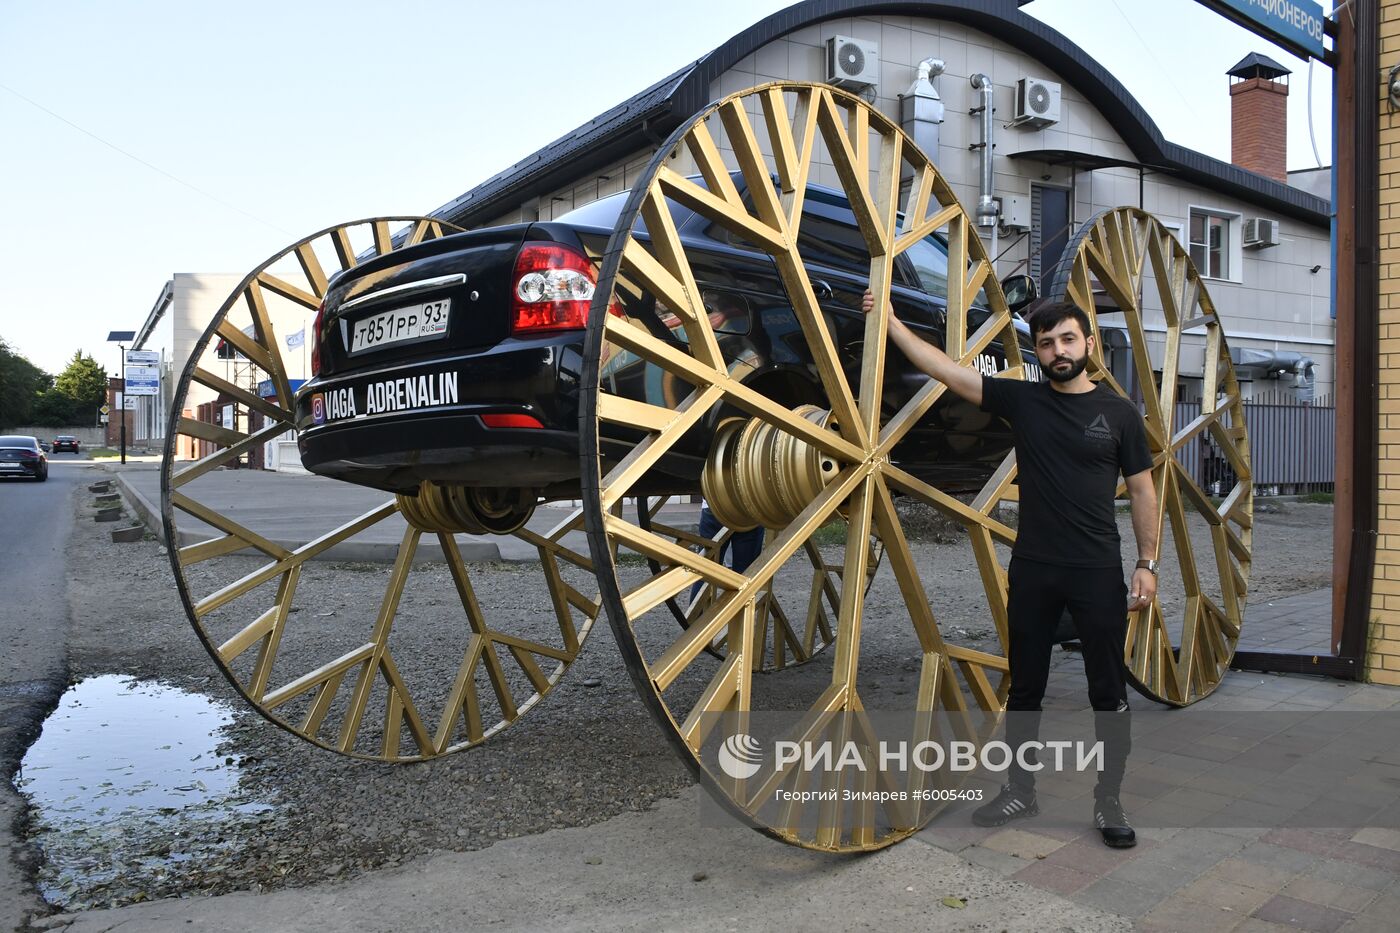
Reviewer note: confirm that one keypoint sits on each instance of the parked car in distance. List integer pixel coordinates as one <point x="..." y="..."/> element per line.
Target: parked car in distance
<point x="21" y="455"/>
<point x="65" y="442"/>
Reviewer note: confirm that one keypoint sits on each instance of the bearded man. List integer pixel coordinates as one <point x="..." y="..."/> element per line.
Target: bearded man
<point x="1073" y="439"/>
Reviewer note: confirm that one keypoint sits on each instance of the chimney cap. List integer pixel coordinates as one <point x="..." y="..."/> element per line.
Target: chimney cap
<point x="1255" y="65"/>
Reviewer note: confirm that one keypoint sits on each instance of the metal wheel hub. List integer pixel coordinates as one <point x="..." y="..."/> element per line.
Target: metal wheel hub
<point x="467" y="509"/>
<point x="758" y="474"/>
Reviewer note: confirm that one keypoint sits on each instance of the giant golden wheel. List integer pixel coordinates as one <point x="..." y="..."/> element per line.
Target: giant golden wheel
<point x="1130" y="275"/>
<point x="794" y="468"/>
<point x="412" y="672"/>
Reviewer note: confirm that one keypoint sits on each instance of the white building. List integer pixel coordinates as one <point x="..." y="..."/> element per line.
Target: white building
<point x="1102" y="151"/>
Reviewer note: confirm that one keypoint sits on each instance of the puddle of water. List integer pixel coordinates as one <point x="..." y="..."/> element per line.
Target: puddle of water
<point x="126" y="782"/>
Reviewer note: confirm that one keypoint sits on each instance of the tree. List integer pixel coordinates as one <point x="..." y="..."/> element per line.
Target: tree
<point x="84" y="384"/>
<point x="20" y="384"/>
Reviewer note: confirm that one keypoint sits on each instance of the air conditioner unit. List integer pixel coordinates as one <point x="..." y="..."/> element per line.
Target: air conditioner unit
<point x="1260" y="232"/>
<point x="852" y="63"/>
<point x="1037" y="103"/>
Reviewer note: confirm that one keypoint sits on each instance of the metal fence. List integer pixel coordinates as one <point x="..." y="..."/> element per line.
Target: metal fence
<point x="1292" y="446"/>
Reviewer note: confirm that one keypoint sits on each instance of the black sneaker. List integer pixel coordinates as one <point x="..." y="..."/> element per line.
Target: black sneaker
<point x="1112" y="824"/>
<point x="1013" y="803"/>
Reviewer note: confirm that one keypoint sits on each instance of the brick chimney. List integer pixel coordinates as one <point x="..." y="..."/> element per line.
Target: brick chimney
<point x="1259" y="116"/>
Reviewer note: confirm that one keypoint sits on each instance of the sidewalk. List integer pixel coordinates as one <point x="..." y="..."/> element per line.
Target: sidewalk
<point x="1251" y="880"/>
<point x="292" y="509"/>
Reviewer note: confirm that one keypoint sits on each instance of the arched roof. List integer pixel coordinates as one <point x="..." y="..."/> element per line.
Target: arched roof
<point x="650" y="115"/>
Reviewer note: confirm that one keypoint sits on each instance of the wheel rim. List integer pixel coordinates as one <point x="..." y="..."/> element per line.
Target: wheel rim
<point x="1179" y="648"/>
<point x="443" y="668"/>
<point x="681" y="685"/>
<point x="791" y="631"/>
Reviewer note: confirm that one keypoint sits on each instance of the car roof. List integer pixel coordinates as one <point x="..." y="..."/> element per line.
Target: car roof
<point x="18" y="440"/>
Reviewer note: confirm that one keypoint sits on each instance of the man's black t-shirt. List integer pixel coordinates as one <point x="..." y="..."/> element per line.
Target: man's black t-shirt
<point x="1070" y="449"/>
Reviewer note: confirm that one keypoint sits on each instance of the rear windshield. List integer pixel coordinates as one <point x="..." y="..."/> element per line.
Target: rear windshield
<point x="19" y="440"/>
<point x="605" y="211"/>
<point x="65" y="437"/>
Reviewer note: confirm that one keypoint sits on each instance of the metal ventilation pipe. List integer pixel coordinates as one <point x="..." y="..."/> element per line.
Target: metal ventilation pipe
<point x="921" y="109"/>
<point x="987" y="208"/>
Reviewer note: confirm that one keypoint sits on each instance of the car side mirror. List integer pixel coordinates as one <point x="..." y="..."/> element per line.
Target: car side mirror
<point x="1020" y="290"/>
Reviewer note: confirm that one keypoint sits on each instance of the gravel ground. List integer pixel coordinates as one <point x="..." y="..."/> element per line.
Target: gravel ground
<point x="587" y="752"/>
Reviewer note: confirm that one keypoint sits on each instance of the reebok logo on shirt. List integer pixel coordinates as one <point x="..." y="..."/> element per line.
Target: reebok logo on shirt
<point x="1098" y="429"/>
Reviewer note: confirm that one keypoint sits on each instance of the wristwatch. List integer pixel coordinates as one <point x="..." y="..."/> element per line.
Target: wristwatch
<point x="1149" y="565"/>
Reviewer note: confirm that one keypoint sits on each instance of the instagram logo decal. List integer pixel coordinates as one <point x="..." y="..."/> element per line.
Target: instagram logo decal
<point x="318" y="408"/>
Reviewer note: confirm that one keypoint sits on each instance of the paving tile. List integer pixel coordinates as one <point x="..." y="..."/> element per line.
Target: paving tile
<point x="1018" y="842"/>
<point x="999" y="862"/>
<point x="1155" y="877"/>
<point x="1183" y="916"/>
<point x="1119" y="897"/>
<point x="1280" y="857"/>
<point x="1264" y="877"/>
<point x="1255" y="925"/>
<point x="1359" y="876"/>
<point x="1092" y="856"/>
<point x="1386" y="905"/>
<point x="1302" y="915"/>
<point x="1057" y="878"/>
<point x="1219" y="892"/>
<point x="1382" y="838"/>
<point x="1372" y="856"/>
<point x="1329" y="894"/>
<point x="1303" y="840"/>
<point x="1364" y="924"/>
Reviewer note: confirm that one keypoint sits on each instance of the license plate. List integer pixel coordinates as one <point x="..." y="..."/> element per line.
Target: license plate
<point x="417" y="322"/>
<point x="10" y="466"/>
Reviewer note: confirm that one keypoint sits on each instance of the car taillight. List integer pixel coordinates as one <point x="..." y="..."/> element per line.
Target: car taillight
<point x="29" y="455"/>
<point x="511" y="421"/>
<point x="316" y="339"/>
<point x="554" y="286"/>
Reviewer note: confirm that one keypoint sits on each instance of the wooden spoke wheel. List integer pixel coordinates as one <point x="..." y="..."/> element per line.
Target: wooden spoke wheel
<point x="350" y="656"/>
<point x="792" y="631"/>
<point x="1130" y="275"/>
<point x="792" y="468"/>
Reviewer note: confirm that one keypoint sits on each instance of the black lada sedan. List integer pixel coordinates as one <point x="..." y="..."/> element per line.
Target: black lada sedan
<point x="458" y="359"/>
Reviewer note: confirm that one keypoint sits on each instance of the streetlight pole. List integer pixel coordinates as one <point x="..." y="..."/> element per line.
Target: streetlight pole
<point x="121" y="409"/>
<point x="120" y="338"/>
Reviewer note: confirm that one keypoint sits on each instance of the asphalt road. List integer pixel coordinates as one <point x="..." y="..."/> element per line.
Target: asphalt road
<point x="35" y="521"/>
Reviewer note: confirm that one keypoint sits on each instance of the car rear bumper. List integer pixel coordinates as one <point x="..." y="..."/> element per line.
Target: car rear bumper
<point x="394" y="427"/>
<point x="33" y="471"/>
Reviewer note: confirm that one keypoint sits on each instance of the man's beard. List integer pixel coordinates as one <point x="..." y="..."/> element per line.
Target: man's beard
<point x="1067" y="375"/>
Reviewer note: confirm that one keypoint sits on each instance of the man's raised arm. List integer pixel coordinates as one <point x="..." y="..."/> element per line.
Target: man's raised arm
<point x="963" y="380"/>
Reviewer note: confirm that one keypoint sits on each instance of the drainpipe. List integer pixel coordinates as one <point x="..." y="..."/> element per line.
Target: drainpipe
<point x="987" y="208"/>
<point x="921" y="109"/>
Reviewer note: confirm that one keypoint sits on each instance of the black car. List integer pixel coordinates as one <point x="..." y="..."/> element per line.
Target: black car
<point x="447" y="361"/>
<point x="21" y="455"/>
<point x="65" y="442"/>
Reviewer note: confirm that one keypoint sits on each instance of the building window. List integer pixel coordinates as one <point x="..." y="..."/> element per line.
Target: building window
<point x="1211" y="243"/>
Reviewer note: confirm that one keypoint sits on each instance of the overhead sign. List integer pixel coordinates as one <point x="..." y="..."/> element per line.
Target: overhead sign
<point x="143" y="357"/>
<point x="1297" y="25"/>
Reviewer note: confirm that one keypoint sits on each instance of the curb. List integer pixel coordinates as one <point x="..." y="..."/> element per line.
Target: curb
<point x="429" y="551"/>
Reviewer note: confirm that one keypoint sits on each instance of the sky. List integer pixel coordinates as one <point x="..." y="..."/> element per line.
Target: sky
<point x="151" y="137"/>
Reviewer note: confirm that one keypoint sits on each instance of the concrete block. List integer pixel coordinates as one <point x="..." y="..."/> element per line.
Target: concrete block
<point x="128" y="533"/>
<point x="108" y="498"/>
<point x="109" y="515"/>
<point x="104" y="486"/>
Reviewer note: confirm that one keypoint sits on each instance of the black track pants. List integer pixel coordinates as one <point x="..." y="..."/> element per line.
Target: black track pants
<point x="1097" y="599"/>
